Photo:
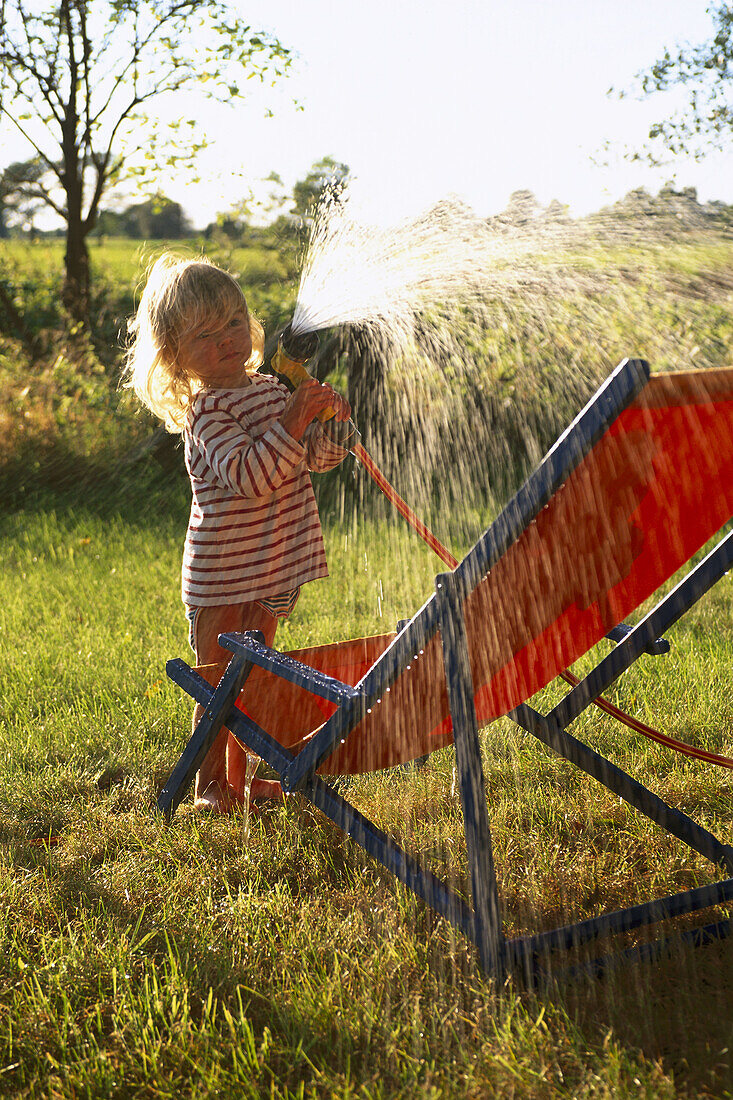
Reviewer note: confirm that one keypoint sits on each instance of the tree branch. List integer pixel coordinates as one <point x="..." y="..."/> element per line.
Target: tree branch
<point x="50" y="165"/>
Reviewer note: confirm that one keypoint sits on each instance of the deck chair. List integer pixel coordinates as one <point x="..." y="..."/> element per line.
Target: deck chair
<point x="636" y="486"/>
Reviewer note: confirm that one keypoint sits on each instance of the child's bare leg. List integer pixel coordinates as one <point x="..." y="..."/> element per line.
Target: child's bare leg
<point x="220" y="781"/>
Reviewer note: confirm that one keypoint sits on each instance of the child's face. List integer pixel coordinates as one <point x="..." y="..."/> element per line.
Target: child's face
<point x="217" y="355"/>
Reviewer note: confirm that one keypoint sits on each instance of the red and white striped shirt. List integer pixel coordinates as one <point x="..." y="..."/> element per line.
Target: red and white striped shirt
<point x="254" y="529"/>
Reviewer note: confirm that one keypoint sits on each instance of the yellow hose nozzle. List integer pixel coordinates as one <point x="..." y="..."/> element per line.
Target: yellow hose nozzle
<point x="288" y="363"/>
<point x="293" y="372"/>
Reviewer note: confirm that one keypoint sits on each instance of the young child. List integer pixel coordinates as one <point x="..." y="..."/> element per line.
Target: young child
<point x="254" y="534"/>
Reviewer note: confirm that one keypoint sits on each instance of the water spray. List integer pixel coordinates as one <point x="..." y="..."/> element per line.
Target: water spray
<point x="387" y="280"/>
<point x="438" y="298"/>
<point x="293" y="351"/>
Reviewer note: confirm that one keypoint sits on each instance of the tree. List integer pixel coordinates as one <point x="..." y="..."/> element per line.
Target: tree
<point x="326" y="173"/>
<point x="18" y="200"/>
<point x="232" y="224"/>
<point x="157" y="218"/>
<point x="79" y="79"/>
<point x="705" y="71"/>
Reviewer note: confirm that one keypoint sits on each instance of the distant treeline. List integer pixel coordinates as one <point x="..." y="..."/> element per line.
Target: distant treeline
<point x="161" y="218"/>
<point x="158" y="217"/>
<point x="680" y="207"/>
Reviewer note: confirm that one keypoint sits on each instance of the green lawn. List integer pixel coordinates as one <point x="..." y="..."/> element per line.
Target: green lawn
<point x="273" y="958"/>
<point x="204" y="959"/>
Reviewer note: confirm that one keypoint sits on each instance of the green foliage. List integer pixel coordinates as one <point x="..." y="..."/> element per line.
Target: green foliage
<point x="705" y="71"/>
<point x="18" y="200"/>
<point x="81" y="81"/>
<point x="157" y="218"/>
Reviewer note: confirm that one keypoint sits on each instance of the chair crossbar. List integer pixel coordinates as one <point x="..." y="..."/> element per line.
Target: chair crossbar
<point x="471" y="776"/>
<point x="410" y="872"/>
<point x="702" y="936"/>
<point x="522" y="949"/>
<point x="207" y="730"/>
<point x="240" y="724"/>
<point x="317" y="683"/>
<point x="655" y="649"/>
<point x="549" y="731"/>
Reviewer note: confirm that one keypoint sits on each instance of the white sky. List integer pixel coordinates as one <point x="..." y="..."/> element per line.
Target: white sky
<point x="471" y="97"/>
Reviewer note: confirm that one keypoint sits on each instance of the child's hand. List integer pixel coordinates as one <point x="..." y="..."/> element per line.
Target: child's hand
<point x="339" y="404"/>
<point x="310" y="399"/>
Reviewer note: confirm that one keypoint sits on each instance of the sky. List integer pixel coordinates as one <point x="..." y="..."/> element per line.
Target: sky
<point x="475" y="98"/>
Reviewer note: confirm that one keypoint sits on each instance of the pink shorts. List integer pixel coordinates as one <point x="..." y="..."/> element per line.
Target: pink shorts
<point x="278" y="606"/>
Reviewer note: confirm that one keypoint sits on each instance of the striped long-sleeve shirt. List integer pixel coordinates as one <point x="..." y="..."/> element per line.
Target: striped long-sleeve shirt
<point x="254" y="529"/>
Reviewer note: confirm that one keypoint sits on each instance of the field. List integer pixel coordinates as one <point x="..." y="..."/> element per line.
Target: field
<point x="271" y="957"/>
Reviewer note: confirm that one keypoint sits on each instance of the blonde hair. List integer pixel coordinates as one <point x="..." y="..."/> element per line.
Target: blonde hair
<point x="180" y="298"/>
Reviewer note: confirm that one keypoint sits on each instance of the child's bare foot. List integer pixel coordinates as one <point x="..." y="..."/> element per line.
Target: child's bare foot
<point x="241" y="771"/>
<point x="266" y="789"/>
<point x="214" y="801"/>
<point x="261" y="790"/>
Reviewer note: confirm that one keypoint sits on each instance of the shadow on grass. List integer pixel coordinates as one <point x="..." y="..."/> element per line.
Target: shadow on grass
<point x="678" y="1011"/>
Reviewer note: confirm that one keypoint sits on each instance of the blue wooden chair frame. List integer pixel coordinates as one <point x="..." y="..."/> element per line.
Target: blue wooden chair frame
<point x="443" y="612"/>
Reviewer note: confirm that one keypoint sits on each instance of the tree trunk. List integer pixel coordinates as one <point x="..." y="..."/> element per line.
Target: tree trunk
<point x="77" y="280"/>
<point x="75" y="294"/>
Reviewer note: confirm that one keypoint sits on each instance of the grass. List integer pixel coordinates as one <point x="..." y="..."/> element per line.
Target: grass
<point x="275" y="959"/>
<point x="145" y="961"/>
